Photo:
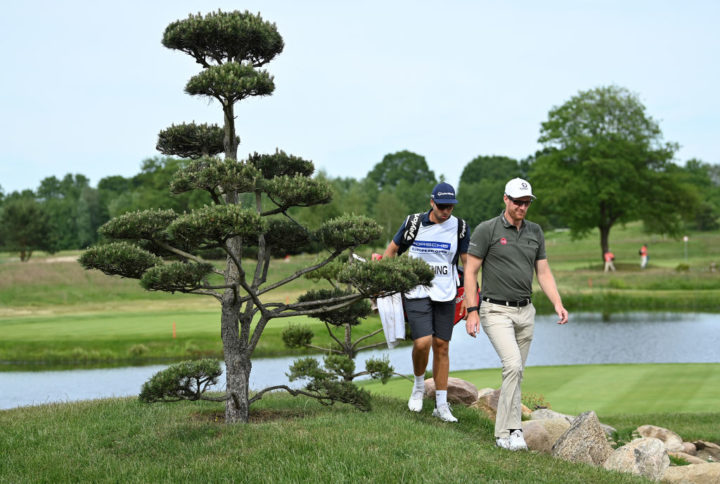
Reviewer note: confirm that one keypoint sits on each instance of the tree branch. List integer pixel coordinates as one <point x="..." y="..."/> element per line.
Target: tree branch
<point x="207" y="293"/>
<point x="300" y="273"/>
<point x="184" y="254"/>
<point x="327" y="325"/>
<point x="280" y="314"/>
<point x="292" y="392"/>
<point x="379" y="330"/>
<point x="339" y="299"/>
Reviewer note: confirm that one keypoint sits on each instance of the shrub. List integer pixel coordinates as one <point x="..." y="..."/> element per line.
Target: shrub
<point x="138" y="350"/>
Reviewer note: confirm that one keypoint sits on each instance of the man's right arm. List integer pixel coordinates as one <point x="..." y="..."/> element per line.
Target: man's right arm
<point x="472" y="323"/>
<point x="392" y="250"/>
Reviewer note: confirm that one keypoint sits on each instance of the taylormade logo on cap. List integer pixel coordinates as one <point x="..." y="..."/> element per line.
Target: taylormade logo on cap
<point x="517" y="188"/>
<point x="443" y="193"/>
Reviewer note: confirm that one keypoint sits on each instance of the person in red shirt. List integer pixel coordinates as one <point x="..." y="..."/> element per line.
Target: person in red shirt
<point x="643" y="256"/>
<point x="609" y="258"/>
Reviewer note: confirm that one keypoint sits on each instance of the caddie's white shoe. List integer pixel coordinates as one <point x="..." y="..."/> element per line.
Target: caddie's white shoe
<point x="517" y="441"/>
<point x="503" y="442"/>
<point x="443" y="413"/>
<point x="415" y="403"/>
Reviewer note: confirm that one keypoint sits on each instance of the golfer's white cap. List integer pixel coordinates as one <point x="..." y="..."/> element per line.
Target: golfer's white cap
<point x="518" y="188"/>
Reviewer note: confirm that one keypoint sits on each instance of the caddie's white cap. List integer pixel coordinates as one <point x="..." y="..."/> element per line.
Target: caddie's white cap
<point x="518" y="188"/>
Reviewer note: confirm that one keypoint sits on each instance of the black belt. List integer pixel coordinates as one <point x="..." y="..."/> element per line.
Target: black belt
<point x="517" y="304"/>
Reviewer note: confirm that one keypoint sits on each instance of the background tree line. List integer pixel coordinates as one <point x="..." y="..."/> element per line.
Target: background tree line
<point x="603" y="162"/>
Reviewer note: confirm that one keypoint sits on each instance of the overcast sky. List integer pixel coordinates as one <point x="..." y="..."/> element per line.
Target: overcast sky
<point x="87" y="85"/>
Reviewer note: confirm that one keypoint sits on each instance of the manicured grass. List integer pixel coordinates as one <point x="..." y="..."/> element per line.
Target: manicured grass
<point x="609" y="390"/>
<point x="85" y="317"/>
<point x="141" y="337"/>
<point x="290" y="440"/>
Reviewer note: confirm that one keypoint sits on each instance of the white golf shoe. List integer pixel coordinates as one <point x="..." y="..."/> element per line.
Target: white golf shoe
<point x="415" y="403"/>
<point x="517" y="441"/>
<point x="503" y="442"/>
<point x="443" y="413"/>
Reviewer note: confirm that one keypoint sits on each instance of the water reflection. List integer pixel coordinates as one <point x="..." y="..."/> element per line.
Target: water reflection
<point x="590" y="338"/>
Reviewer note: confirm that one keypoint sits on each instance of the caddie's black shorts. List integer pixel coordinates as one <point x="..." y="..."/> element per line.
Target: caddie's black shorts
<point x="427" y="317"/>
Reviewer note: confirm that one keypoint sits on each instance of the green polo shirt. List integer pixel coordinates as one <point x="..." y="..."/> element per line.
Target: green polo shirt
<point x="508" y="255"/>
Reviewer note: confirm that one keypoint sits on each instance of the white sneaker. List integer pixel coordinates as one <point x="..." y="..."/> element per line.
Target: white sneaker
<point x="503" y="442"/>
<point x="443" y="413"/>
<point x="517" y="441"/>
<point x="415" y="403"/>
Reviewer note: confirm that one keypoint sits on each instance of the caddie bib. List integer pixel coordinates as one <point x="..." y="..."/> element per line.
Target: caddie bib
<point x="436" y="244"/>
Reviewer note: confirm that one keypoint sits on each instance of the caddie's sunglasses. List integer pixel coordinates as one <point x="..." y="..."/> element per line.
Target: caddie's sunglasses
<point x="519" y="203"/>
<point x="444" y="206"/>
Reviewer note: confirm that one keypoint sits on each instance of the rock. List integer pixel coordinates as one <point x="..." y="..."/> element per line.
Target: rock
<point x="546" y="413"/>
<point x="691" y="459"/>
<point x="673" y="442"/>
<point x="540" y="435"/>
<point x="459" y="391"/>
<point x="584" y="441"/>
<point x="694" y="473"/>
<point x="645" y="457"/>
<point x="689" y="448"/>
<point x="708" y="451"/>
<point x="484" y="391"/>
<point x="483" y="405"/>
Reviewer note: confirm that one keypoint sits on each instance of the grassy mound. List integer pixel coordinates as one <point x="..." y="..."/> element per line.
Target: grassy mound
<point x="288" y="440"/>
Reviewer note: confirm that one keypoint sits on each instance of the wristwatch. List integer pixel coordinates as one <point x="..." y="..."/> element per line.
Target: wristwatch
<point x="471" y="309"/>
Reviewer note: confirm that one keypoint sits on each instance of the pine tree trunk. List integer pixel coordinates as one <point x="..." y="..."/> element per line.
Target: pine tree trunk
<point x="237" y="364"/>
<point x="235" y="346"/>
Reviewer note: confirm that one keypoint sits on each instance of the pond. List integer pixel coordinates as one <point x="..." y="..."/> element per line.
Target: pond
<point x="590" y="338"/>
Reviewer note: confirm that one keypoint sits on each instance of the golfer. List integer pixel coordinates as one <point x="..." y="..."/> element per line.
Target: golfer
<point x="509" y="249"/>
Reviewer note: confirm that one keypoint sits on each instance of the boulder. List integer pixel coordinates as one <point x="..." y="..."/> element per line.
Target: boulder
<point x="484" y="391"/>
<point x="459" y="391"/>
<point x="694" y="473"/>
<point x="707" y="451"/>
<point x="546" y="413"/>
<point x="689" y="448"/>
<point x="645" y="457"/>
<point x="690" y="459"/>
<point x="540" y="435"/>
<point x="483" y="406"/>
<point x="584" y="441"/>
<point x="673" y="442"/>
<point x="487" y="402"/>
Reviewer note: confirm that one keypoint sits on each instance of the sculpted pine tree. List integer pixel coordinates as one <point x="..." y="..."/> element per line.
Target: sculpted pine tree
<point x="250" y="206"/>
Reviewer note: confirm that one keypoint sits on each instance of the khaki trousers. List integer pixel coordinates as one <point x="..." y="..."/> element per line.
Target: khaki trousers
<point x="510" y="330"/>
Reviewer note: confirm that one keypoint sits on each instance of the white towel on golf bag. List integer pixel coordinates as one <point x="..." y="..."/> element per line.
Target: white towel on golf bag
<point x="390" y="309"/>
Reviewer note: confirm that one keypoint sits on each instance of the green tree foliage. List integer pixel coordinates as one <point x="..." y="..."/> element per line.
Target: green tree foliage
<point x="339" y="323"/>
<point x="401" y="184"/>
<point x="249" y="205"/>
<point x="24" y="226"/>
<point x="187" y="380"/>
<point x="605" y="163"/>
<point x="74" y="209"/>
<point x="401" y="166"/>
<point x="150" y="188"/>
<point x="481" y="187"/>
<point x="703" y="184"/>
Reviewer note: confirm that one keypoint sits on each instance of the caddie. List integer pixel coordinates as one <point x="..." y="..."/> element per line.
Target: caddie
<point x="438" y="238"/>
